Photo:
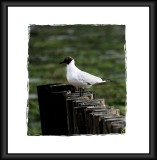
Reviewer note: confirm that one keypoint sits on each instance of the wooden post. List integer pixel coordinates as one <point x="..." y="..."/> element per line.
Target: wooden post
<point x="87" y="112"/>
<point x="52" y="106"/>
<point x="64" y="112"/>
<point x="79" y="120"/>
<point x="96" y="127"/>
<point x="107" y="123"/>
<point x="79" y="115"/>
<point x="71" y="98"/>
<point x="94" y="120"/>
<point x="118" y="126"/>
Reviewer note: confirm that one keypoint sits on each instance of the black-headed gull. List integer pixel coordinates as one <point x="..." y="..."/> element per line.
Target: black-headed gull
<point x="78" y="78"/>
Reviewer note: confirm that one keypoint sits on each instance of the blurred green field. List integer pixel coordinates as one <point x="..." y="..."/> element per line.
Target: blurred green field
<point x="97" y="49"/>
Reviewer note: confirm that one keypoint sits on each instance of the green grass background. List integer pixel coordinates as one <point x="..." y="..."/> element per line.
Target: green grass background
<point x="97" y="49"/>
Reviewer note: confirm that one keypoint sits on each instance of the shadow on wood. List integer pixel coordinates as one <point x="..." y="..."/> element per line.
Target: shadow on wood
<point x="52" y="105"/>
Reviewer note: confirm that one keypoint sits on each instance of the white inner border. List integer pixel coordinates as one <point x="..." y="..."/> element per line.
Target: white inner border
<point x="136" y="139"/>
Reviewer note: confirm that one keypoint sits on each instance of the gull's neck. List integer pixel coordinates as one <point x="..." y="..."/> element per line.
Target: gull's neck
<point x="71" y="66"/>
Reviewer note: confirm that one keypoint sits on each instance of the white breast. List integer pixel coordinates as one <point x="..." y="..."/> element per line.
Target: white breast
<point x="72" y="75"/>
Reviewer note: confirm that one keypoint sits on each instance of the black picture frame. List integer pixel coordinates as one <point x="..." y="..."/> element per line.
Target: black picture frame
<point x="4" y="79"/>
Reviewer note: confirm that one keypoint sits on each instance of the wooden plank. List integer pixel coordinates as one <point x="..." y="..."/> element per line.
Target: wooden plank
<point x="91" y="102"/>
<point x="94" y="124"/>
<point x="118" y="126"/>
<point x="64" y="112"/>
<point x="52" y="107"/>
<point x="112" y="111"/>
<point x="96" y="128"/>
<point x="107" y="123"/>
<point x="87" y="112"/>
<point x="79" y="120"/>
<point x="70" y="107"/>
<point x="77" y="94"/>
<point x="79" y="116"/>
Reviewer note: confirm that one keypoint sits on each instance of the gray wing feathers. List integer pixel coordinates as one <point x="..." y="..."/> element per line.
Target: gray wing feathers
<point x="89" y="79"/>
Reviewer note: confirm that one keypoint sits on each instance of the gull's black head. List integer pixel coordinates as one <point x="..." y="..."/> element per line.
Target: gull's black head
<point x="67" y="60"/>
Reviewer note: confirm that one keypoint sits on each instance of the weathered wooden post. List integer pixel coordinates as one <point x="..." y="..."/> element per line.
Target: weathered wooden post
<point x="107" y="122"/>
<point x="79" y="115"/>
<point x="87" y="112"/>
<point x="64" y="112"/>
<point x="52" y="106"/>
<point x="118" y="126"/>
<point x="71" y="98"/>
<point x="96" y="120"/>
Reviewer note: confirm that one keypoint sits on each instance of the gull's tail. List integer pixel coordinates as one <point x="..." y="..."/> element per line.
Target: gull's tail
<point x="106" y="80"/>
